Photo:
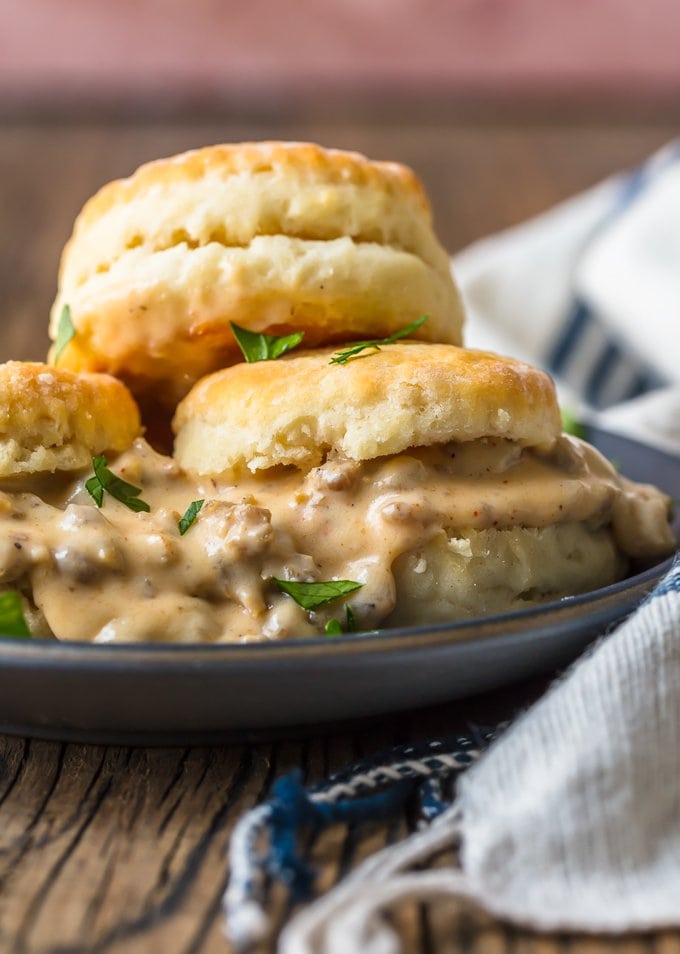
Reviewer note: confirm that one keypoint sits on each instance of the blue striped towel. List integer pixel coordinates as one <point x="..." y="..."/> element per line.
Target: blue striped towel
<point x="590" y="291"/>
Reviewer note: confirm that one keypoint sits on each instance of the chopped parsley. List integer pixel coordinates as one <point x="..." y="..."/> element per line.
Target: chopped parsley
<point x="571" y="425"/>
<point x="342" y="357"/>
<point x="66" y="332"/>
<point x="261" y="347"/>
<point x="334" y="626"/>
<point x="12" y="621"/>
<point x="106" y="480"/>
<point x="311" y="595"/>
<point x="190" y="516"/>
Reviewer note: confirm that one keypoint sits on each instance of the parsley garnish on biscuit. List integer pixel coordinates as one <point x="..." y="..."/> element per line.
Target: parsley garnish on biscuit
<point x="342" y="357"/>
<point x="261" y="347"/>
<point x="66" y="332"/>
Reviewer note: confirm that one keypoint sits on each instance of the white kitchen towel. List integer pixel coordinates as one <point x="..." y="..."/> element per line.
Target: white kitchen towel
<point x="571" y="820"/>
<point x="591" y="291"/>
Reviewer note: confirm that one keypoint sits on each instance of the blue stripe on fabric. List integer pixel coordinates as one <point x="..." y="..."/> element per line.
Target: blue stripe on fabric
<point x="572" y="334"/>
<point x="644" y="382"/>
<point x="418" y="752"/>
<point x="569" y="350"/>
<point x="600" y="375"/>
<point x="580" y="315"/>
<point x="670" y="583"/>
<point x="597" y="390"/>
<point x="431" y="798"/>
<point x="633" y="185"/>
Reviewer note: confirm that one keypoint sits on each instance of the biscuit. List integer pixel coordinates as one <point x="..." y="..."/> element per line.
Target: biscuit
<point x="52" y="419"/>
<point x="294" y="410"/>
<point x="277" y="237"/>
<point x="478" y="573"/>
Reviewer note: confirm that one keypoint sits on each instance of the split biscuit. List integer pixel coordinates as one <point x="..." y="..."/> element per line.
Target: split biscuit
<point x="437" y="477"/>
<point x="276" y="237"/>
<point x="52" y="419"/>
<point x="295" y="410"/>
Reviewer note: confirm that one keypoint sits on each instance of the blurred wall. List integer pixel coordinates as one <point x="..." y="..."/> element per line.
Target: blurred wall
<point x="214" y="49"/>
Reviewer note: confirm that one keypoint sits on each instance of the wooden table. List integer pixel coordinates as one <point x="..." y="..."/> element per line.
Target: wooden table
<point x="116" y="849"/>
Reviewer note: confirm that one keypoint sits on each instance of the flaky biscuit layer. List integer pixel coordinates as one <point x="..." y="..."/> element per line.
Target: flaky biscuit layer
<point x="52" y="419"/>
<point x="294" y="410"/>
<point x="273" y="236"/>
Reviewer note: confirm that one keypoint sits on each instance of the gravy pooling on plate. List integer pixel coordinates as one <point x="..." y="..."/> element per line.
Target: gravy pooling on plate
<point x="113" y="575"/>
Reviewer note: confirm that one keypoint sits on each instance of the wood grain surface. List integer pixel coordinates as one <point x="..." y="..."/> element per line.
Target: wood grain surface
<point x="117" y="849"/>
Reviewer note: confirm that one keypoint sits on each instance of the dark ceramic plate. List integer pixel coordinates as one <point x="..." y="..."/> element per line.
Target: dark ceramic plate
<point x="170" y="694"/>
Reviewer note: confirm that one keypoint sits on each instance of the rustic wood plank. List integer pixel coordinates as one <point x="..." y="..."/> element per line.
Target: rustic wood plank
<point x="135" y="828"/>
<point x="123" y="850"/>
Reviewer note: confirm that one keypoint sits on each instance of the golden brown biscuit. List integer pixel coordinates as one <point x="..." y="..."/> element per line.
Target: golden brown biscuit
<point x="410" y="394"/>
<point x="276" y="237"/>
<point x="52" y="419"/>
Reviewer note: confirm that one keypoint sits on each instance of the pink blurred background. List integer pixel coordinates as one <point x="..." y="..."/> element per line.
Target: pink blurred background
<point x="209" y="51"/>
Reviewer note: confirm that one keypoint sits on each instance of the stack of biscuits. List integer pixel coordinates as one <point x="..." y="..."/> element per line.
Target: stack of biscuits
<point x="434" y="479"/>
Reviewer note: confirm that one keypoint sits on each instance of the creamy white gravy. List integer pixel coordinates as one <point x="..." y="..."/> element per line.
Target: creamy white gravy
<point x="113" y="575"/>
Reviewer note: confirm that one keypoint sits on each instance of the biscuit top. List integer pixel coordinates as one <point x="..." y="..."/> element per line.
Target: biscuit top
<point x="301" y="163"/>
<point x="276" y="237"/>
<point x="295" y="410"/>
<point x="231" y="194"/>
<point x="52" y="419"/>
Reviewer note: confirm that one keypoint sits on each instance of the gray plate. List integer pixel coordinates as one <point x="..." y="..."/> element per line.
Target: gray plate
<point x="170" y="694"/>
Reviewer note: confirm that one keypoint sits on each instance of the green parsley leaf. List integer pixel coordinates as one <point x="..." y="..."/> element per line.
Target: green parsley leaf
<point x="342" y="357"/>
<point x="12" y="621"/>
<point x="260" y="347"/>
<point x="311" y="595"/>
<point x="192" y="512"/>
<point x="95" y="489"/>
<point x="66" y="332"/>
<point x="334" y="626"/>
<point x="105" y="480"/>
<point x="570" y="425"/>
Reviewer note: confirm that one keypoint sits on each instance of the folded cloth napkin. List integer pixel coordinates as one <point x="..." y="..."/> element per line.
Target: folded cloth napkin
<point x="591" y="291"/>
<point x="571" y="818"/>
